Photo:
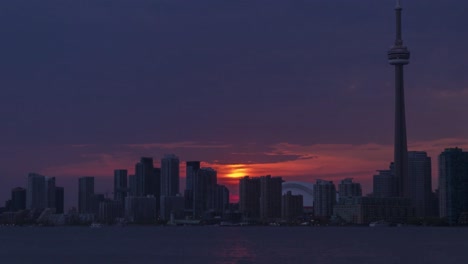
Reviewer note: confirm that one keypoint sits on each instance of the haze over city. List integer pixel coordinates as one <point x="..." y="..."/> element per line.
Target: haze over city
<point x="298" y="89"/>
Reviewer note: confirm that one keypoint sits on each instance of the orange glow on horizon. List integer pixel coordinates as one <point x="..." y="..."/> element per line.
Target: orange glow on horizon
<point x="235" y="171"/>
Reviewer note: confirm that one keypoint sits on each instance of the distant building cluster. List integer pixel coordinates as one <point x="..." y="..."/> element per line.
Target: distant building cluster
<point x="151" y="196"/>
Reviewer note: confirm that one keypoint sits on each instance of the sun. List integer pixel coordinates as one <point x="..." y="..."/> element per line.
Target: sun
<point x="236" y="171"/>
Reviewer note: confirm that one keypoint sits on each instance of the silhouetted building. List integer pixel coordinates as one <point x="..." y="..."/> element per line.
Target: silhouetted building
<point x="364" y="210"/>
<point x="144" y="172"/>
<point x="132" y="185"/>
<point x="453" y="184"/>
<point x="109" y="211"/>
<point x="324" y="198"/>
<point x="59" y="200"/>
<point x="96" y="200"/>
<point x="221" y="198"/>
<point x="120" y="186"/>
<point x="419" y="183"/>
<point x="348" y="188"/>
<point x="172" y="205"/>
<point x="292" y="207"/>
<point x="50" y="192"/>
<point x="18" y="199"/>
<point x="169" y="175"/>
<point x="36" y="192"/>
<point x="140" y="209"/>
<point x="85" y="195"/>
<point x="192" y="168"/>
<point x="270" y="197"/>
<point x="385" y="184"/>
<point x="204" y="184"/>
<point x="249" y="197"/>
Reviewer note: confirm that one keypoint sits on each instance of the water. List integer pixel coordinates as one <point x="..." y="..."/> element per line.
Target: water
<point x="211" y="244"/>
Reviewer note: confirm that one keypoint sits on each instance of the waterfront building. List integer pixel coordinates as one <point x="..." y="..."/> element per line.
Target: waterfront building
<point x="385" y="184"/>
<point x="324" y="198"/>
<point x="85" y="195"/>
<point x="50" y="192"/>
<point x="120" y="186"/>
<point x="249" y="197"/>
<point x="270" y="197"/>
<point x="221" y="198"/>
<point x="36" y="195"/>
<point x="132" y="185"/>
<point x="348" y="188"/>
<point x="453" y="184"/>
<point x="145" y="180"/>
<point x="292" y="207"/>
<point x="419" y="183"/>
<point x="364" y="210"/>
<point x="18" y="199"/>
<point x="204" y="185"/>
<point x="59" y="200"/>
<point x="109" y="211"/>
<point x="172" y="206"/>
<point x="169" y="175"/>
<point x="140" y="210"/>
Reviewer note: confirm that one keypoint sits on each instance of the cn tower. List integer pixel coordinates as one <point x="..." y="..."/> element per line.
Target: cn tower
<point x="399" y="55"/>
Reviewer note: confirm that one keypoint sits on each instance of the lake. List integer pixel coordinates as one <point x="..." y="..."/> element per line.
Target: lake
<point x="212" y="244"/>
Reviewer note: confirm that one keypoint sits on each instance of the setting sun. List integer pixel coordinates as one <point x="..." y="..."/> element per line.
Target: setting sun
<point x="236" y="171"/>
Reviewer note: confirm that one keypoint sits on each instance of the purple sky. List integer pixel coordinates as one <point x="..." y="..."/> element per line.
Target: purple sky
<point x="88" y="86"/>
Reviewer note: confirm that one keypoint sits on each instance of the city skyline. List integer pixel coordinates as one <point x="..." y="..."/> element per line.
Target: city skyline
<point x="62" y="131"/>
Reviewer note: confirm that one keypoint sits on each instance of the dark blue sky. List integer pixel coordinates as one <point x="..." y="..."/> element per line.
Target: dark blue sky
<point x="232" y="77"/>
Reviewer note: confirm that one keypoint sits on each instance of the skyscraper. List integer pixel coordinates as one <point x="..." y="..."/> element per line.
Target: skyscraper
<point x="169" y="175"/>
<point x="348" y="188"/>
<point x="18" y="199"/>
<point x="144" y="173"/>
<point x="385" y="183"/>
<point x="191" y="169"/>
<point x="59" y="200"/>
<point x="50" y="192"/>
<point x="204" y="185"/>
<point x="453" y="184"/>
<point x="249" y="197"/>
<point x="120" y="186"/>
<point x="36" y="195"/>
<point x="399" y="55"/>
<point x="324" y="198"/>
<point x="270" y="197"/>
<point x="85" y="195"/>
<point x="420" y="183"/>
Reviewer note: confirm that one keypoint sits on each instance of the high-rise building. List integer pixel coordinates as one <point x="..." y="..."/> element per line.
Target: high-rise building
<point x="453" y="184"/>
<point x="192" y="168"/>
<point x="249" y="197"/>
<point x="144" y="171"/>
<point x="59" y="200"/>
<point x="36" y="195"/>
<point x="420" y="183"/>
<point x="270" y="197"/>
<point x="140" y="209"/>
<point x="120" y="186"/>
<point x="50" y="192"/>
<point x="348" y="188"/>
<point x="204" y="185"/>
<point x="85" y="195"/>
<point x="221" y="198"/>
<point x="292" y="206"/>
<point x="18" y="199"/>
<point x="169" y="175"/>
<point x="398" y="56"/>
<point x="324" y="198"/>
<point x="385" y="184"/>
<point x="132" y="186"/>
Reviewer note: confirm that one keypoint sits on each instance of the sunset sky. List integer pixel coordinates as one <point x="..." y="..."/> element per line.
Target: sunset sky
<point x="292" y="88"/>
